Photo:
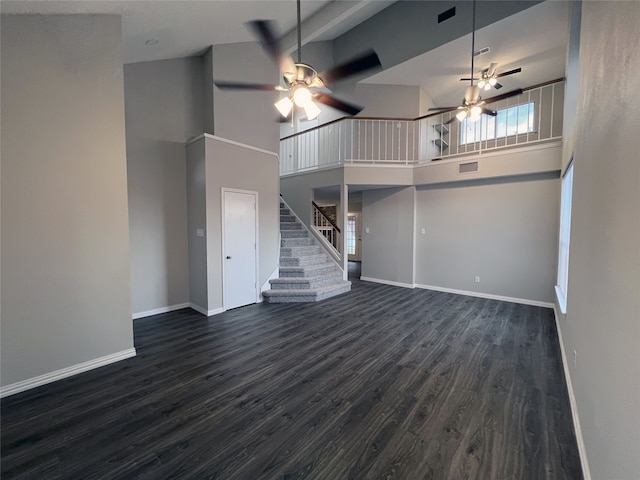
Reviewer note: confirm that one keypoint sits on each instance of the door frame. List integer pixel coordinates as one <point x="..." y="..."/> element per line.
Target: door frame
<point x="223" y="191"/>
<point x="358" y="244"/>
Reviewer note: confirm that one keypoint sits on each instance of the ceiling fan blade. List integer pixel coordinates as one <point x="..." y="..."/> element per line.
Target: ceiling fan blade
<point x="247" y="86"/>
<point x="491" y="71"/>
<point x="469" y="79"/>
<point x="510" y="72"/>
<point x="488" y="111"/>
<point x="497" y="98"/>
<point x="451" y="120"/>
<point x="497" y="85"/>
<point x="441" y="108"/>
<point x="265" y="32"/>
<point x="366" y="61"/>
<point x="338" y="104"/>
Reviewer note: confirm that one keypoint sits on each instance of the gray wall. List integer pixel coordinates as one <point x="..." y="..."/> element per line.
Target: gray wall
<point x="245" y="116"/>
<point x="407" y="29"/>
<point x="65" y="237"/>
<point x="503" y="230"/>
<point x="164" y="108"/>
<point x="602" y="324"/>
<point x="215" y="164"/>
<point x="197" y="219"/>
<point x="387" y="249"/>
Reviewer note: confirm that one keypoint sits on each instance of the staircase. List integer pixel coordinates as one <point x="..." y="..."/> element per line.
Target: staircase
<point x="306" y="272"/>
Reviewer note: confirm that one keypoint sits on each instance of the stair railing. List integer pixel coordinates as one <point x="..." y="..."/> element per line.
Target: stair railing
<point x="327" y="227"/>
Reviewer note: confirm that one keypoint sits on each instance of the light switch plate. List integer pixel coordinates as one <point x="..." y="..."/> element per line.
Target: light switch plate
<point x="199" y="232"/>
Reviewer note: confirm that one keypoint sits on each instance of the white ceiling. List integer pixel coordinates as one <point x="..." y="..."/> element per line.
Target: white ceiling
<point x="187" y="27"/>
<point x="534" y="39"/>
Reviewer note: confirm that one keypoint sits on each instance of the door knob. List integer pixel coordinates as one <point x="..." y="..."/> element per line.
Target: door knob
<point x="228" y="257"/>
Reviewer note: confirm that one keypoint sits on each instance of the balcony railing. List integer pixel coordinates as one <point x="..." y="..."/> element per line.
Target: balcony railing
<point x="397" y="141"/>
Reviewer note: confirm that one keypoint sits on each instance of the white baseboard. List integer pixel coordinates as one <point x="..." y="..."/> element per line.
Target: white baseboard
<point x="65" y="372"/>
<point x="204" y="311"/>
<point x="582" y="450"/>
<point x="388" y="282"/>
<point x="157" y="311"/>
<point x="524" y="301"/>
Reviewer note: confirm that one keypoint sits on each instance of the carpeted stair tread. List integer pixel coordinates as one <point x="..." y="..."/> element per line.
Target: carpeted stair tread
<point x="306" y="282"/>
<point x="306" y="273"/>
<point x="302" y="260"/>
<point x="307" y="270"/>
<point x="304" y="295"/>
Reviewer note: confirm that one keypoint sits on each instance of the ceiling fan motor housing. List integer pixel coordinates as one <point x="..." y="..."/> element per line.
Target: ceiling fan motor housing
<point x="304" y="75"/>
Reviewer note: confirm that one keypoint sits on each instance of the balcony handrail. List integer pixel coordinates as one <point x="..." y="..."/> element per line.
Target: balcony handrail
<point x="404" y="119"/>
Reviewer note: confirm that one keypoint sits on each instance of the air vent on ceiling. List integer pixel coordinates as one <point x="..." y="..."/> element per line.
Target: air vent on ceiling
<point x="446" y="15"/>
<point x="468" y="167"/>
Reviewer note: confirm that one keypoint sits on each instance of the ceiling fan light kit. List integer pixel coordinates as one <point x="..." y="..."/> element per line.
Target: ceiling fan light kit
<point x="472" y="106"/>
<point x="301" y="79"/>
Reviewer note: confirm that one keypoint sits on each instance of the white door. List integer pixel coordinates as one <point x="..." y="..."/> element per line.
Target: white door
<point x="354" y="237"/>
<point x="239" y="248"/>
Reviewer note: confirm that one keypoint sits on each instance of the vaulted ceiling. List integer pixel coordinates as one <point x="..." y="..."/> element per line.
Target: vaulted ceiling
<point x="534" y="39"/>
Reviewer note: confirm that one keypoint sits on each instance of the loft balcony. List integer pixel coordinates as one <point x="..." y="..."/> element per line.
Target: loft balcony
<point x="534" y="117"/>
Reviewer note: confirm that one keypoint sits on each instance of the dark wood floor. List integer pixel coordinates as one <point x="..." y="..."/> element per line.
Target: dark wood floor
<point x="383" y="382"/>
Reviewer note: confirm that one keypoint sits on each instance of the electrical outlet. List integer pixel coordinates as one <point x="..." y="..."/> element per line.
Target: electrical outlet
<point x="477" y="279"/>
<point x="199" y="232"/>
<point x="423" y="231"/>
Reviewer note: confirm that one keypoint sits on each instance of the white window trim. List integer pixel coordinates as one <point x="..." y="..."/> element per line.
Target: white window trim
<point x="564" y="238"/>
<point x="484" y="118"/>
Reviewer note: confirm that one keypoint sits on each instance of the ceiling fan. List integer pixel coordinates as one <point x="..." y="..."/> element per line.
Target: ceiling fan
<point x="472" y="105"/>
<point x="489" y="77"/>
<point x="302" y="81"/>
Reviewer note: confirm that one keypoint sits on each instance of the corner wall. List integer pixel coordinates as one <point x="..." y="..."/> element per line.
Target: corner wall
<point x="164" y="108"/>
<point x="66" y="296"/>
<point x="602" y="324"/>
<point x="388" y="235"/>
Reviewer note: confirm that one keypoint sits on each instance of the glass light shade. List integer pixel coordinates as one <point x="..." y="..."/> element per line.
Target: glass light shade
<point x="475" y="111"/>
<point x="312" y="110"/>
<point x="492" y="81"/>
<point x="284" y="106"/>
<point x="481" y="84"/>
<point x="302" y="97"/>
<point x="461" y="115"/>
<point x="487" y="86"/>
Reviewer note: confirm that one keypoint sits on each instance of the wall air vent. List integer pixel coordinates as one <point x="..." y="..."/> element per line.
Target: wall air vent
<point x="468" y="167"/>
<point x="446" y="15"/>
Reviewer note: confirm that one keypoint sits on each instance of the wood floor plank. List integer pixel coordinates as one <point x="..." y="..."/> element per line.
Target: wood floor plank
<point x="383" y="382"/>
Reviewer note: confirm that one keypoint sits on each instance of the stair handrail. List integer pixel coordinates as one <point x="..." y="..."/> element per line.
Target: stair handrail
<point x="334" y="254"/>
<point x="315" y="205"/>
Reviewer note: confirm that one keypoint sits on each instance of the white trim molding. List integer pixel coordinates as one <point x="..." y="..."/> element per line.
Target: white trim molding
<point x="65" y="372"/>
<point x="582" y="449"/>
<point x="157" y="311"/>
<point x="204" y="311"/>
<point x="231" y="142"/>
<point x="490" y="296"/>
<point x="387" y="282"/>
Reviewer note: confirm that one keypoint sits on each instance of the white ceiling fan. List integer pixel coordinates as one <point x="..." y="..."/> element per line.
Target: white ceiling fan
<point x="489" y="77"/>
